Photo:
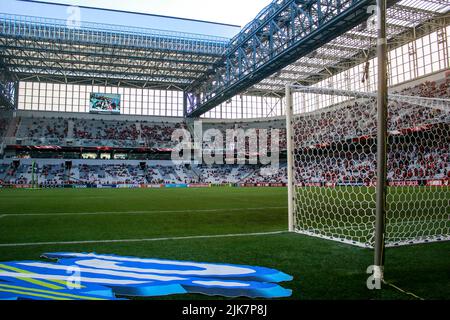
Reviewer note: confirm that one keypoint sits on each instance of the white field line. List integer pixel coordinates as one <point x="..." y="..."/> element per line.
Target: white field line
<point x="141" y="240"/>
<point x="133" y="212"/>
<point x="28" y="196"/>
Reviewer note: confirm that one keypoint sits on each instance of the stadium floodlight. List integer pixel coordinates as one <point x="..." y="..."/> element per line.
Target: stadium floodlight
<point x="332" y="166"/>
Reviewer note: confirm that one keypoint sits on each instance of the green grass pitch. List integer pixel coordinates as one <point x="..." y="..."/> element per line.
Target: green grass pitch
<point x="322" y="269"/>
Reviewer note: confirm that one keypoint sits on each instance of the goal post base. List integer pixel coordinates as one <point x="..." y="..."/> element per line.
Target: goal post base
<point x="378" y="273"/>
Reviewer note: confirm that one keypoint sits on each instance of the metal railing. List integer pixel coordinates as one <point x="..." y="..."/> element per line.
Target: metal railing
<point x="108" y="34"/>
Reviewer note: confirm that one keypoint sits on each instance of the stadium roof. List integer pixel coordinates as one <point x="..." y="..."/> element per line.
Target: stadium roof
<point x="305" y="41"/>
<point x="60" y="9"/>
<point x="404" y="19"/>
<point x="48" y="49"/>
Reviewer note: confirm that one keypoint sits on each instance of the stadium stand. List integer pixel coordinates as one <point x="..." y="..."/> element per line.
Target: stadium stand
<point x="352" y="118"/>
<point x="114" y="133"/>
<point x="3" y="126"/>
<point x="406" y="161"/>
<point x="429" y="89"/>
<point x="159" y="135"/>
<point x="43" y="130"/>
<point x="223" y="174"/>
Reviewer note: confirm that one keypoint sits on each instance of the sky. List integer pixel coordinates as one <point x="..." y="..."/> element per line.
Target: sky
<point x="236" y="12"/>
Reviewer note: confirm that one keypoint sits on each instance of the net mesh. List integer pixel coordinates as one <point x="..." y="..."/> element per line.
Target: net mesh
<point x="334" y="160"/>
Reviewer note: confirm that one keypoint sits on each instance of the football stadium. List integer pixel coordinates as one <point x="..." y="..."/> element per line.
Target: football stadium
<point x="304" y="155"/>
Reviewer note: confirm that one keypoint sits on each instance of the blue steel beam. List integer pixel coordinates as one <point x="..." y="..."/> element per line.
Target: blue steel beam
<point x="8" y="94"/>
<point x="281" y="34"/>
<point x="8" y="87"/>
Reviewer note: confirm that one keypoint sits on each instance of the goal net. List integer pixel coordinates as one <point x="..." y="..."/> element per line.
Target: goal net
<point x="332" y="154"/>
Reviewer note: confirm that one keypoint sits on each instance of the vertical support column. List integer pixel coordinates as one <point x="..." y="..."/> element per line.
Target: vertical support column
<point x="290" y="157"/>
<point x="190" y="101"/>
<point x="185" y="104"/>
<point x="381" y="187"/>
<point x="16" y="95"/>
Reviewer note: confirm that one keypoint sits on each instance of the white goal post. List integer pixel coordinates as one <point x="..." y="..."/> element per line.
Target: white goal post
<point x="332" y="161"/>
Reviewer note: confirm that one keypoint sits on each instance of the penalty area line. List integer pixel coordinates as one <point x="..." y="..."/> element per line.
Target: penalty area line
<point x="230" y="235"/>
<point x="133" y="212"/>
